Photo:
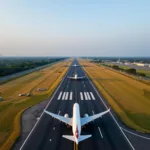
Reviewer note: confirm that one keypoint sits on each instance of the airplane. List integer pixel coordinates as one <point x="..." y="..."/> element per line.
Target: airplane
<point x="75" y="65"/>
<point x="76" y="122"/>
<point x="76" y="77"/>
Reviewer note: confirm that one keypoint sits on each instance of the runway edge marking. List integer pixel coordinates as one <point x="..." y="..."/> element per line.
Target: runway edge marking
<point x="135" y="134"/>
<point x="109" y="111"/>
<point x="45" y="108"/>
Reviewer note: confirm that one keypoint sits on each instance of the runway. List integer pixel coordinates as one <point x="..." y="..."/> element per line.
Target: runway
<point x="47" y="134"/>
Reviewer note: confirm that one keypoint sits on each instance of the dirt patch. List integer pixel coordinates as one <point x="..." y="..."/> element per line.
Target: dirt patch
<point x="28" y="120"/>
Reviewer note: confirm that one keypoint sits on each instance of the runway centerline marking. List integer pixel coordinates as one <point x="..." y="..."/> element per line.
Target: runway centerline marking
<point x="64" y="96"/>
<point x="59" y="96"/>
<point x="100" y="132"/>
<point x="81" y="95"/>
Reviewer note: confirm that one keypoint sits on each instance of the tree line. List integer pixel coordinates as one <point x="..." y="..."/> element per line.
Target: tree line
<point x="10" y="65"/>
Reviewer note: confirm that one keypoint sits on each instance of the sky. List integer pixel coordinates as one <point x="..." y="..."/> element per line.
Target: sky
<point x="75" y="28"/>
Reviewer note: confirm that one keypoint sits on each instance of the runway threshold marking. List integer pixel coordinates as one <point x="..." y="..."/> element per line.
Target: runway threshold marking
<point x="81" y="96"/>
<point x="71" y="95"/>
<point x="92" y="96"/>
<point x="59" y="96"/>
<point x="88" y="95"/>
<point x="86" y="98"/>
<point x="64" y="96"/>
<point x="100" y="132"/>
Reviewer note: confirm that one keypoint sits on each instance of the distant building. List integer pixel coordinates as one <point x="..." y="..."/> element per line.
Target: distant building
<point x="142" y="64"/>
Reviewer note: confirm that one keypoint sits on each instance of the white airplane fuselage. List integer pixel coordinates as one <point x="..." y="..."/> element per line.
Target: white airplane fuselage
<point x="76" y="122"/>
<point x="75" y="76"/>
<point x="76" y="127"/>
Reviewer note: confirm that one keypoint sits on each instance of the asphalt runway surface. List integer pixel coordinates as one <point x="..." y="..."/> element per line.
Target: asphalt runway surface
<point x="47" y="133"/>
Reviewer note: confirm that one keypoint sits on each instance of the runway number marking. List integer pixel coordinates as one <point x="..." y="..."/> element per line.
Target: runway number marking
<point x="100" y="132"/>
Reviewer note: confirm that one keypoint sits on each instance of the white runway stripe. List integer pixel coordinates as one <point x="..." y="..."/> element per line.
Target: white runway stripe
<point x="59" y="96"/>
<point x="88" y="95"/>
<point x="71" y="95"/>
<point x="86" y="98"/>
<point x="64" y="96"/>
<point x="92" y="96"/>
<point x="81" y="95"/>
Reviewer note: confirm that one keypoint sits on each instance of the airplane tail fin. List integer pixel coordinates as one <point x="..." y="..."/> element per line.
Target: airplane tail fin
<point x="81" y="138"/>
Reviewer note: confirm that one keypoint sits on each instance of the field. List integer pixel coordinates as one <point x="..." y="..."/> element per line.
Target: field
<point x="146" y="72"/>
<point x="12" y="105"/>
<point x="129" y="98"/>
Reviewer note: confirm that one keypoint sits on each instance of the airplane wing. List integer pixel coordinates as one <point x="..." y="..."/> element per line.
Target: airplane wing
<point x="81" y="77"/>
<point x="86" y="120"/>
<point x="60" y="118"/>
<point x="71" y="77"/>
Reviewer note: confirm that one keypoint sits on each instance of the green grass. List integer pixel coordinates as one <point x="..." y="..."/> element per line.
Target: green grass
<point x="129" y="98"/>
<point x="11" y="110"/>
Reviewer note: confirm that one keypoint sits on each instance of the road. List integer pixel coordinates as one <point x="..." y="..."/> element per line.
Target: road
<point x="47" y="133"/>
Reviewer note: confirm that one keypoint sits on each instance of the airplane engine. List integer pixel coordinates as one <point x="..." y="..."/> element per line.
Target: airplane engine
<point x="86" y="115"/>
<point x="66" y="116"/>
